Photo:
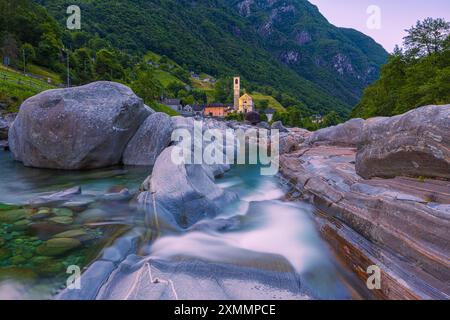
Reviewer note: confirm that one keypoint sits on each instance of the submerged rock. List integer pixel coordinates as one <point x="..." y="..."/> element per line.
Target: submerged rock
<point x="12" y="216"/>
<point x="57" y="246"/>
<point x="123" y="195"/>
<point x="54" y="198"/>
<point x="63" y="212"/>
<point x="71" y="234"/>
<point x="84" y="127"/>
<point x="62" y="220"/>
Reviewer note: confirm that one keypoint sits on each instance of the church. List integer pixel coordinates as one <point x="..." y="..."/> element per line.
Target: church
<point x="243" y="104"/>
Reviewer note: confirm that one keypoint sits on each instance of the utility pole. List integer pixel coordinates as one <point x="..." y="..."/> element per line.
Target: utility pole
<point x="24" y="62"/>
<point x="68" y="66"/>
<point x="68" y="69"/>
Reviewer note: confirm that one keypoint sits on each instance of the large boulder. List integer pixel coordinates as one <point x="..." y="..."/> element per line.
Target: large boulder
<point x="153" y="136"/>
<point x="414" y="144"/>
<point x="345" y="134"/>
<point x="77" y="128"/>
<point x="182" y="194"/>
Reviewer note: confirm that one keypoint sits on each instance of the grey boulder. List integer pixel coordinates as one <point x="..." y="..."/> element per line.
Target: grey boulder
<point x="152" y="137"/>
<point x="415" y="144"/>
<point x="77" y="128"/>
<point x="347" y="134"/>
<point x="182" y="194"/>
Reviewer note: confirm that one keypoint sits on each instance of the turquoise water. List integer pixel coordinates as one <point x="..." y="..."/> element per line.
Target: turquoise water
<point x="282" y="233"/>
<point x="26" y="269"/>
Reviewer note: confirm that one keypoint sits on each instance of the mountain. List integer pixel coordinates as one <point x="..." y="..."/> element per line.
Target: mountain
<point x="285" y="44"/>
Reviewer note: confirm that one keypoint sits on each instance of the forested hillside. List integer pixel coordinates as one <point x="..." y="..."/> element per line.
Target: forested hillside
<point x="286" y="45"/>
<point x="416" y="75"/>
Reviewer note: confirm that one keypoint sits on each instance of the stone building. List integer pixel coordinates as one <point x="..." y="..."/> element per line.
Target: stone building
<point x="246" y="104"/>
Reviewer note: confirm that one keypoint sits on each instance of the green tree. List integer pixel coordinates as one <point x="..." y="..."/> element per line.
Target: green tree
<point x="427" y="37"/>
<point x="174" y="88"/>
<point x="263" y="105"/>
<point x="409" y="81"/>
<point x="49" y="49"/>
<point x="83" y="66"/>
<point x="28" y="53"/>
<point x="331" y="119"/>
<point x="223" y="91"/>
<point x="147" y="86"/>
<point x="107" y="66"/>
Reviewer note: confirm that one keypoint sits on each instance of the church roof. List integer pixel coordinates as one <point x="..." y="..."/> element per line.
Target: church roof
<point x="246" y="96"/>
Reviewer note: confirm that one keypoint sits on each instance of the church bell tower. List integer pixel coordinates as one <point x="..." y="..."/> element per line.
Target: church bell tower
<point x="237" y="91"/>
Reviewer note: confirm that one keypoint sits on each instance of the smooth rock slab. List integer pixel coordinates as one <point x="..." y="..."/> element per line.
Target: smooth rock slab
<point x="414" y="144"/>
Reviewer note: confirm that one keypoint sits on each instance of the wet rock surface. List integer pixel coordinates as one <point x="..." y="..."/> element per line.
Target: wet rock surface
<point x="399" y="224"/>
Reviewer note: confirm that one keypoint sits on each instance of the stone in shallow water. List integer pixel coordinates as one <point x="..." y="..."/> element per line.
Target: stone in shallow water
<point x="45" y="211"/>
<point x="58" y="246"/>
<point x="78" y="205"/>
<point x="63" y="212"/>
<point x="62" y="220"/>
<point x="45" y="230"/>
<point x="39" y="216"/>
<point x="13" y="215"/>
<point x="55" y="198"/>
<point x="71" y="234"/>
<point x="21" y="225"/>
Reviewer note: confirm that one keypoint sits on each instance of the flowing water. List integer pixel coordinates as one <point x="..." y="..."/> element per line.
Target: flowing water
<point x="259" y="232"/>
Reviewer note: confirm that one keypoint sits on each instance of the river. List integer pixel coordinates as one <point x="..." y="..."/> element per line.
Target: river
<point x="252" y="239"/>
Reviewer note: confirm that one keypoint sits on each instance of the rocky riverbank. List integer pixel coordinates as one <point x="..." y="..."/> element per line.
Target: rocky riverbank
<point x="400" y="218"/>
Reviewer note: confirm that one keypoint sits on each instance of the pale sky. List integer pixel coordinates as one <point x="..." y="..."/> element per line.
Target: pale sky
<point x="395" y="16"/>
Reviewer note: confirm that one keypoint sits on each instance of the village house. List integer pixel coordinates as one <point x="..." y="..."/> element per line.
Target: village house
<point x="187" y="111"/>
<point x="216" y="110"/>
<point x="174" y="104"/>
<point x="198" y="110"/>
